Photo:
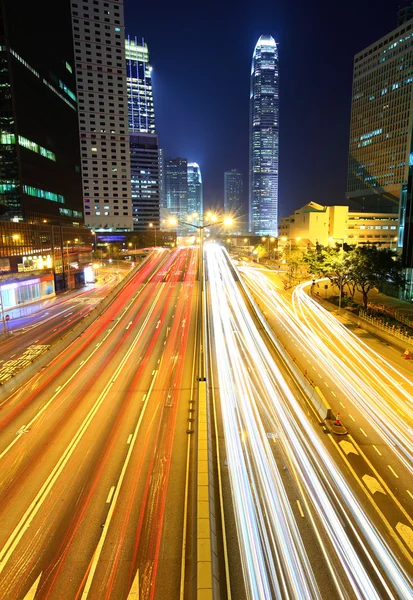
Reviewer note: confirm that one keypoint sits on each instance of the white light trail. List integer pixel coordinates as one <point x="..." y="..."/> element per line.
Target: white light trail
<point x="256" y="398"/>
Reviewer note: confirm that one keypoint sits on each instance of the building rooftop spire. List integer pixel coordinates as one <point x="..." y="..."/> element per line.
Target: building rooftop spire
<point x="405" y="12"/>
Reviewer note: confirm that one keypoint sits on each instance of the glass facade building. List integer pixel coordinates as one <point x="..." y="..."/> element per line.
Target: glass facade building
<point x="195" y="190"/>
<point x="176" y="187"/>
<point x="381" y="145"/>
<point x="139" y="81"/>
<point x="233" y="190"/>
<point x="40" y="178"/>
<point x="264" y="138"/>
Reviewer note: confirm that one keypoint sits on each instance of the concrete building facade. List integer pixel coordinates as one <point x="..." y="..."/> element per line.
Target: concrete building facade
<point x="100" y="65"/>
<point x="326" y="224"/>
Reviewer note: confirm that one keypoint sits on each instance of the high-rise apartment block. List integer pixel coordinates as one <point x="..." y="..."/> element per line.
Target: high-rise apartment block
<point x="233" y="191"/>
<point x="264" y="138"/>
<point x="381" y="148"/>
<point x="99" y="45"/>
<point x="145" y="180"/>
<point x="40" y="180"/>
<point x="195" y="189"/>
<point x="139" y="82"/>
<point x="176" y="186"/>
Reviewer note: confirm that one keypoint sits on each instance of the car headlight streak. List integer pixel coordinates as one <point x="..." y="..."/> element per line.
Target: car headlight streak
<point x="255" y="398"/>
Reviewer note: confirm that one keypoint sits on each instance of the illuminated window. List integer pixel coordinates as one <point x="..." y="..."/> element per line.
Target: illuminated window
<point x="38" y="193"/>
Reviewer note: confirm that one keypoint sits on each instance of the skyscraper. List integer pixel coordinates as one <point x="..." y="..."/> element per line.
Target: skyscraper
<point x="233" y="190"/>
<point x="99" y="42"/>
<point x="139" y="81"/>
<point x="176" y="187"/>
<point x="195" y="190"/>
<point x="380" y="164"/>
<point x="143" y="140"/>
<point x="161" y="158"/>
<point x="144" y="180"/>
<point x="264" y="138"/>
<point x="40" y="178"/>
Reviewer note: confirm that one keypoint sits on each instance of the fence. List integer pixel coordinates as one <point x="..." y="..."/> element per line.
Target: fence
<point x="392" y="329"/>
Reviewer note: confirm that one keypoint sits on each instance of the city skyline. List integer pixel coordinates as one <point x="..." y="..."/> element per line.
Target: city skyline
<point x="320" y="90"/>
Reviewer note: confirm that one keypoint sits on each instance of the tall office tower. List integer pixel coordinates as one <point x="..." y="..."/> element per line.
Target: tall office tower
<point x="195" y="189"/>
<point x="161" y="159"/>
<point x="40" y="177"/>
<point x="99" y="42"/>
<point x="176" y="187"/>
<point x="233" y="190"/>
<point x="145" y="180"/>
<point x="381" y="148"/>
<point x="264" y="138"/>
<point x="140" y="97"/>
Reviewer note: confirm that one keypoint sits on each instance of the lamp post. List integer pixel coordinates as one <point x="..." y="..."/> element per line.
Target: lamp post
<point x="152" y="226"/>
<point x="3" y="320"/>
<point x="340" y="279"/>
<point x="212" y="220"/>
<point x="68" y="264"/>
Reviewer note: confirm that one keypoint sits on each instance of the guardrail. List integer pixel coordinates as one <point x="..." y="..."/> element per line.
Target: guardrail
<point x="43" y="360"/>
<point x="381" y="324"/>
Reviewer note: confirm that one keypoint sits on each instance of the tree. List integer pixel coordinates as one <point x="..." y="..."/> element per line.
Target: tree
<point x="372" y="267"/>
<point x="260" y="251"/>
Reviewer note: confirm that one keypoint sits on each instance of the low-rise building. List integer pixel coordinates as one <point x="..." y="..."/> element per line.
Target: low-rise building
<point x="326" y="224"/>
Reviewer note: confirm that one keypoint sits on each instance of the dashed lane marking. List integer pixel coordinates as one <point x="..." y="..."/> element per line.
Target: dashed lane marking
<point x="363" y="432"/>
<point x="111" y="491"/>
<point x="393" y="471"/>
<point x="300" y="509"/>
<point x="351" y="417"/>
<point x="377" y="450"/>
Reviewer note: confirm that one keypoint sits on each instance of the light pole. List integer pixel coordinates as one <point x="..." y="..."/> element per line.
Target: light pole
<point x="212" y="220"/>
<point x="68" y="264"/>
<point x="152" y="226"/>
<point x="3" y="320"/>
<point x="340" y="279"/>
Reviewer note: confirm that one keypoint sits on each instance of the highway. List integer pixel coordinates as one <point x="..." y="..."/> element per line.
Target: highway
<point x="307" y="525"/>
<point x="49" y="320"/>
<point x="94" y="450"/>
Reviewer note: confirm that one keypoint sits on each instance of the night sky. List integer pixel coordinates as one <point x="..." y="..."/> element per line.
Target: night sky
<point x="201" y="55"/>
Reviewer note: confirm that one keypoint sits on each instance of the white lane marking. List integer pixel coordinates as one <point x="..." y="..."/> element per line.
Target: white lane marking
<point x="348" y="447"/>
<point x="158" y="323"/>
<point x="99" y="547"/>
<point x="314" y="369"/>
<point x="28" y="517"/>
<point x="342" y="405"/>
<point x="363" y="432"/>
<point x="300" y="509"/>
<point x="406" y="533"/>
<point x="58" y="388"/>
<point x="335" y="395"/>
<point x="129" y="438"/>
<point x="393" y="471"/>
<point x="129" y="324"/>
<point x="351" y="417"/>
<point x="144" y="396"/>
<point x="32" y="592"/>
<point x="55" y="329"/>
<point x="134" y="590"/>
<point x="13" y="355"/>
<point x="153" y="372"/>
<point x="373" y="484"/>
<point x="377" y="450"/>
<point x="111" y="492"/>
<point x="410" y="494"/>
<point x="326" y="384"/>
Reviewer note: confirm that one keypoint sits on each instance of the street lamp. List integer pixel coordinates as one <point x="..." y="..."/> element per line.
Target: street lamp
<point x="152" y="226"/>
<point x="68" y="264"/>
<point x="340" y="279"/>
<point x="212" y="220"/>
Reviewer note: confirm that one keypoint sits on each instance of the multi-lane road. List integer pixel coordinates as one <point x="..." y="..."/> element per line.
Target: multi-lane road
<point x="97" y="450"/>
<point x="315" y="515"/>
<point x="94" y="449"/>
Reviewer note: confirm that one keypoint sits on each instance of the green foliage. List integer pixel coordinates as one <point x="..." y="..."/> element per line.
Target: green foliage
<point x="362" y="268"/>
